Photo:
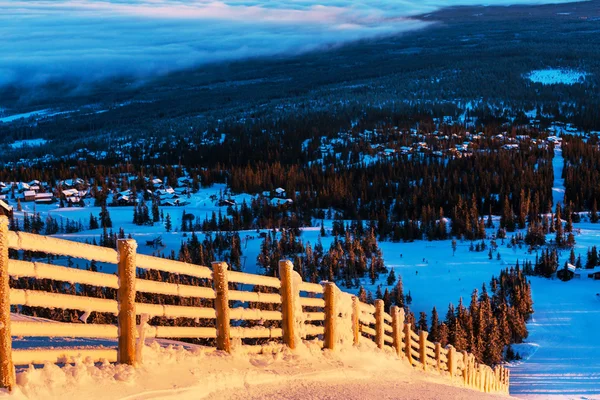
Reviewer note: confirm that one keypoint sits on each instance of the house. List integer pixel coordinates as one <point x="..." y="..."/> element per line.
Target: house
<point x="44" y="198"/>
<point x="280" y="192"/>
<point x="29" y="195"/>
<point x="593" y="273"/>
<point x="22" y="187"/>
<point x="280" y="202"/>
<point x="70" y="193"/>
<point x="566" y="274"/>
<point x="5" y="209"/>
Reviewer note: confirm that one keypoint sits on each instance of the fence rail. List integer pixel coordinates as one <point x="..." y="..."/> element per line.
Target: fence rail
<point x="306" y="310"/>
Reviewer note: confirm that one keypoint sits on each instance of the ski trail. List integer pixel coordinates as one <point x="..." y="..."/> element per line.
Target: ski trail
<point x="558" y="188"/>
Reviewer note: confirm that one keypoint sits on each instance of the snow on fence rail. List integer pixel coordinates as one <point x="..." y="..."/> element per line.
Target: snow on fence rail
<point x="323" y="312"/>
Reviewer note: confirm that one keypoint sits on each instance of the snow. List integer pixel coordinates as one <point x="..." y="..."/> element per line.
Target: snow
<point x="27" y="115"/>
<point x="28" y="143"/>
<point x="552" y="76"/>
<point x="563" y="362"/>
<point x="558" y="187"/>
<point x="174" y="371"/>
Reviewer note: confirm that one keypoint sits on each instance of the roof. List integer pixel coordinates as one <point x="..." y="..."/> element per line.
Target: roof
<point x="28" y="193"/>
<point x="5" y="206"/>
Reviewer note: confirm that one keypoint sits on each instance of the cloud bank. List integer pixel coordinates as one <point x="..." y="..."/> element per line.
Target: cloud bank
<point x="90" y="40"/>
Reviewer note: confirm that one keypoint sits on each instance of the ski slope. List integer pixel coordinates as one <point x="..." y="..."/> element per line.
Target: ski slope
<point x="558" y="188"/>
<point x="563" y="355"/>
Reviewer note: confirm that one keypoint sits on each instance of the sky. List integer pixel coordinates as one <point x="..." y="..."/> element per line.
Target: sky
<point x="90" y="40"/>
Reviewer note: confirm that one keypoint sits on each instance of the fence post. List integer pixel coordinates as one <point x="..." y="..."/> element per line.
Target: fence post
<point x="221" y="286"/>
<point x="423" y="348"/>
<point x="330" y="314"/>
<point x="126" y="298"/>
<point x="465" y="367"/>
<point x="7" y="369"/>
<point x="288" y="303"/>
<point x="407" y="340"/>
<point x="451" y="361"/>
<point x="472" y="370"/>
<point x="355" y="319"/>
<point x="481" y="378"/>
<point x="379" y="305"/>
<point x="438" y="356"/>
<point x="396" y="332"/>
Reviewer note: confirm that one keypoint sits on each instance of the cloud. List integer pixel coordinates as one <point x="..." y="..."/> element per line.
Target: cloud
<point x="91" y="40"/>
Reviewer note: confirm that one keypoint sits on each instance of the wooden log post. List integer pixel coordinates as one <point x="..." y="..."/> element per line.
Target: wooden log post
<point x="472" y="370"/>
<point x="7" y="369"/>
<point x="423" y="348"/>
<point x="356" y="319"/>
<point x="407" y="340"/>
<point x="379" y="322"/>
<point x="288" y="303"/>
<point x="397" y="330"/>
<point x="330" y="316"/>
<point x="507" y="380"/>
<point x="126" y="298"/>
<point x="497" y="380"/>
<point x="438" y="356"/>
<point x="221" y="287"/>
<point x="481" y="378"/>
<point x="451" y="360"/>
<point x="465" y="370"/>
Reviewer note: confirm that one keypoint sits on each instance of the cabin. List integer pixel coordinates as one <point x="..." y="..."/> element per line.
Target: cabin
<point x="280" y="192"/>
<point x="29" y="195"/>
<point x="566" y="274"/>
<point x="593" y="273"/>
<point x="280" y="202"/>
<point x="44" y="198"/>
<point x="5" y="209"/>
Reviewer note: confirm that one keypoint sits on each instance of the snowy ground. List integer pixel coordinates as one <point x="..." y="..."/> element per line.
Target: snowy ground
<point x="558" y="189"/>
<point x="563" y="358"/>
<point x="174" y="372"/>
<point x="29" y="143"/>
<point x="553" y="76"/>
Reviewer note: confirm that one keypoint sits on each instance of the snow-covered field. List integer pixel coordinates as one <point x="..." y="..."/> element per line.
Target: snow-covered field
<point x="29" y="143"/>
<point x="560" y="356"/>
<point x="553" y="76"/>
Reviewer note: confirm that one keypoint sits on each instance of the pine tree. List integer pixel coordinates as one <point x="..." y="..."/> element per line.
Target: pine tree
<point x="168" y="223"/>
<point x="391" y="277"/>
<point x="434" y="333"/>
<point x="399" y="293"/>
<point x="594" y="212"/>
<point x="422" y="324"/>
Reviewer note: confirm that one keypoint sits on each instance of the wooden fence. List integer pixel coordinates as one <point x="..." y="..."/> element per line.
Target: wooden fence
<point x="306" y="310"/>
